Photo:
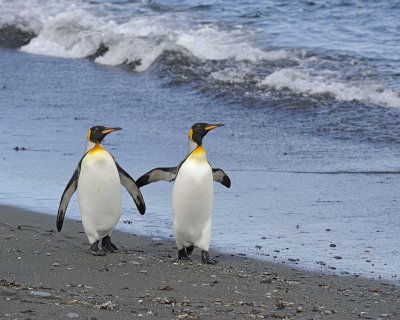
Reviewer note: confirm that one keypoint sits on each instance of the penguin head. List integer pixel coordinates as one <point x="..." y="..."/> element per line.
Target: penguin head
<point x="97" y="133"/>
<point x="200" y="129"/>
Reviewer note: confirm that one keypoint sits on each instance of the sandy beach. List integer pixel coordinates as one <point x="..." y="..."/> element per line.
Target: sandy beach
<point x="45" y="274"/>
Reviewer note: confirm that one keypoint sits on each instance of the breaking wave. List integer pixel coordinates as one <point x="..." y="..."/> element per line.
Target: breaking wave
<point x="304" y="82"/>
<point x="105" y="33"/>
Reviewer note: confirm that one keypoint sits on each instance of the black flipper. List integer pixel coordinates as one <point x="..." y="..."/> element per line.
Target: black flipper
<point x="68" y="192"/>
<point x="221" y="177"/>
<point x="132" y="188"/>
<point x="157" y="174"/>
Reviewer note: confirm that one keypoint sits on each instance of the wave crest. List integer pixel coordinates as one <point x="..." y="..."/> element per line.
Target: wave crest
<point x="130" y="33"/>
<point x="74" y="34"/>
<point x="326" y="84"/>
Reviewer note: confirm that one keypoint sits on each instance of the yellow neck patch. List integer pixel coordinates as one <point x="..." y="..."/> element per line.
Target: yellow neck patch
<point x="96" y="148"/>
<point x="199" y="154"/>
<point x="88" y="134"/>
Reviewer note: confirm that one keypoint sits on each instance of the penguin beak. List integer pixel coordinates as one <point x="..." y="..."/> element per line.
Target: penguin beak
<point x="213" y="126"/>
<point x="109" y="130"/>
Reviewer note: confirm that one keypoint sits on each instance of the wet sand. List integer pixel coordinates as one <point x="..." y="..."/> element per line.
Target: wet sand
<point x="45" y="274"/>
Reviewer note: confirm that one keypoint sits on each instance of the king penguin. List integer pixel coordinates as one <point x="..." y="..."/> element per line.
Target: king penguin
<point x="192" y="194"/>
<point x="98" y="178"/>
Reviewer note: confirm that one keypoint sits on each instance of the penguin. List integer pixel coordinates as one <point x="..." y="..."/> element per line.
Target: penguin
<point x="192" y="194"/>
<point x="97" y="179"/>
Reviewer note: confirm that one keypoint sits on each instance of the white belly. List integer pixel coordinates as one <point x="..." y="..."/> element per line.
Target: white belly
<point x="99" y="195"/>
<point x="192" y="200"/>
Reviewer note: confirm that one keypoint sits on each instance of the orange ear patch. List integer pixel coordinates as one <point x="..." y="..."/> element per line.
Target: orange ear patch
<point x="191" y="134"/>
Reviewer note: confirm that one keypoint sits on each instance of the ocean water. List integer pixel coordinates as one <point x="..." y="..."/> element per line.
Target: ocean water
<point x="309" y="92"/>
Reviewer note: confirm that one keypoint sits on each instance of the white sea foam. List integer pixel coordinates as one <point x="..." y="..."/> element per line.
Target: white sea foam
<point x="76" y="30"/>
<point x="303" y="81"/>
<point x="209" y="43"/>
<point x="31" y="15"/>
<point x="73" y="34"/>
<point x="137" y="40"/>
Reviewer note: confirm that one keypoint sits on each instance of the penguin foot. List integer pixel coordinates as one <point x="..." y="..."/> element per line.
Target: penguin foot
<point x="94" y="249"/>
<point x="182" y="254"/>
<point x="189" y="250"/>
<point x="205" y="258"/>
<point x="107" y="245"/>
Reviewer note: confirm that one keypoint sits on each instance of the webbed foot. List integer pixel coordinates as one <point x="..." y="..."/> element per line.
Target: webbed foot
<point x="182" y="254"/>
<point x="107" y="245"/>
<point x="205" y="258"/>
<point x="189" y="250"/>
<point x="94" y="249"/>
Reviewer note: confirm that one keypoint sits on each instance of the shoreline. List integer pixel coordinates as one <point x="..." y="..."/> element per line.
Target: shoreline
<point x="50" y="274"/>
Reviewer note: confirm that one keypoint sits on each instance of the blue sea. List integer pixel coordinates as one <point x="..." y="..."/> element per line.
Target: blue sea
<point x="309" y="92"/>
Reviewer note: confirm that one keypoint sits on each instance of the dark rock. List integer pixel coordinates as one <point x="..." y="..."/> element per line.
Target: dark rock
<point x="13" y="37"/>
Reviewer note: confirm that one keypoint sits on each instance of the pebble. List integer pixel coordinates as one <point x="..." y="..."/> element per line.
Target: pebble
<point x="107" y="306"/>
<point x="299" y="310"/>
<point x="41" y="294"/>
<point x="338" y="257"/>
<point x="73" y="294"/>
<point x="332" y="245"/>
<point x="143" y="271"/>
<point x="72" y="315"/>
<point x="56" y="264"/>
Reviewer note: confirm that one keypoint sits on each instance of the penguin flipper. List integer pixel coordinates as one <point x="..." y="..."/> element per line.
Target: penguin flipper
<point x="220" y="176"/>
<point x="157" y="174"/>
<point x="66" y="196"/>
<point x="130" y="185"/>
